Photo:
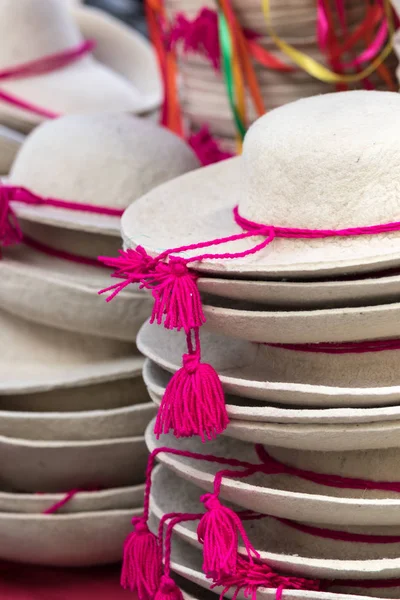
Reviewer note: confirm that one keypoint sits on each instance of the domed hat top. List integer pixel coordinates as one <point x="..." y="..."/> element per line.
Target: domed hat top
<point x="91" y="162"/>
<point x="315" y="192"/>
<point x="323" y="165"/>
<point x="49" y="30"/>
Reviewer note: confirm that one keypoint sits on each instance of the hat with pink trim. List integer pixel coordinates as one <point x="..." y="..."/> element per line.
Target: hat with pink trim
<point x="301" y="202"/>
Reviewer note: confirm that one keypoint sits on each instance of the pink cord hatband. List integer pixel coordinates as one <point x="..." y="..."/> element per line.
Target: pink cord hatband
<point x="193" y="401"/>
<point x="341" y="347"/>
<point x="47" y="64"/>
<point x="11" y="233"/>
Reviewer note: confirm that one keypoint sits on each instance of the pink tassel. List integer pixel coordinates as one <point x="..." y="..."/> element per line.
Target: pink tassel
<point x="177" y="300"/>
<point x="141" y="567"/>
<point x="131" y="266"/>
<point x="218" y="531"/>
<point x="206" y="147"/>
<point x="168" y="590"/>
<point x="249" y="577"/>
<point x="10" y="231"/>
<point x="193" y="403"/>
<point x="199" y="36"/>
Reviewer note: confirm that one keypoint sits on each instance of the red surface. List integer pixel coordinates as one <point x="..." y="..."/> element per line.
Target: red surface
<point x="23" y="582"/>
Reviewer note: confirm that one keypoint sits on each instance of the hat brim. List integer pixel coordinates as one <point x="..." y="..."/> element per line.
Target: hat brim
<point x="242" y="409"/>
<point x="73" y="540"/>
<point x="82" y="425"/>
<point x="50" y="466"/>
<point x="197" y="207"/>
<point x="311" y="557"/>
<point x="35" y="286"/>
<point x="266" y="496"/>
<point x="243" y="371"/>
<point x="40" y="359"/>
<point x="187" y="563"/>
<point x="97" y="500"/>
<point x="123" y="55"/>
<point x="10" y="142"/>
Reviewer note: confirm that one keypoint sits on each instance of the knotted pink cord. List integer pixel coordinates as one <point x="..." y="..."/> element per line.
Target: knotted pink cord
<point x="47" y="64"/>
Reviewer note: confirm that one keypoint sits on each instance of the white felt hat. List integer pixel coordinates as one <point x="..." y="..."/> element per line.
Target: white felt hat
<point x="287" y="496"/>
<point x="82" y="425"/>
<point x="121" y="76"/>
<point x="39" y="359"/>
<point x="299" y="169"/>
<point x="51" y="466"/>
<point x="242" y="409"/>
<point x="284" y="376"/>
<point x="187" y="564"/>
<point x="325" y="294"/>
<point x="281" y="545"/>
<point x="71" y="540"/>
<point x="91" y="501"/>
<point x="103" y="395"/>
<point x="106" y="160"/>
<point x="10" y="142"/>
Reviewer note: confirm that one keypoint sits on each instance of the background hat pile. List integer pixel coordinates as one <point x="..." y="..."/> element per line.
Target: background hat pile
<point x="205" y="37"/>
<point x="303" y="334"/>
<point x="73" y="406"/>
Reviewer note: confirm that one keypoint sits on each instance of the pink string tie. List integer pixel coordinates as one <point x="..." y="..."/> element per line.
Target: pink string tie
<point x="193" y="403"/>
<point x="10" y="231"/>
<point x="41" y="66"/>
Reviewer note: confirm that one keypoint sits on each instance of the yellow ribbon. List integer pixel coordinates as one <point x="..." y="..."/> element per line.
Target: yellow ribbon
<point x="313" y="67"/>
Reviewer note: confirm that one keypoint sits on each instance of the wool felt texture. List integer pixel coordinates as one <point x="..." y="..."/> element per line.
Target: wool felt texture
<point x="244" y="409"/>
<point x="39" y="358"/>
<point x="312" y="556"/>
<point x="287" y="496"/>
<point x="10" y="142"/>
<point x="83" y="501"/>
<point x="377" y="288"/>
<point x="187" y="563"/>
<point x="321" y="437"/>
<point x="270" y="374"/>
<point x="106" y="395"/>
<point x="88" y="539"/>
<point x="86" y="85"/>
<point x="124" y="157"/>
<point x="80" y="425"/>
<point x="279" y="182"/>
<point x="51" y="466"/>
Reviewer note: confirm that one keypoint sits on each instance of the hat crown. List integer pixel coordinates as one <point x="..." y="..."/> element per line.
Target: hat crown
<point x="329" y="161"/>
<point x="99" y="159"/>
<point x="32" y="29"/>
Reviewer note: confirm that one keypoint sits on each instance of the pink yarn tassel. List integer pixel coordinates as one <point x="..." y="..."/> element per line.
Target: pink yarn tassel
<point x="141" y="567"/>
<point x="206" y="147"/>
<point x="194" y="402"/>
<point x="199" y="36"/>
<point x="168" y="590"/>
<point x="218" y="531"/>
<point x="249" y="577"/>
<point x="177" y="301"/>
<point x="130" y="265"/>
<point x="10" y="231"/>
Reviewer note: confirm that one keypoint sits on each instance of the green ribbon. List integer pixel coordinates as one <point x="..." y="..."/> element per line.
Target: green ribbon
<point x="226" y="49"/>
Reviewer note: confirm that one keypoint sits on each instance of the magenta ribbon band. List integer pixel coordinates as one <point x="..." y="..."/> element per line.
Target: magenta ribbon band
<point x="341" y="347"/>
<point x="11" y="233"/>
<point x="47" y="64"/>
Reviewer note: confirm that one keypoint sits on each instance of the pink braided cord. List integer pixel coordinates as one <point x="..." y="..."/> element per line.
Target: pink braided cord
<point x="40" y="66"/>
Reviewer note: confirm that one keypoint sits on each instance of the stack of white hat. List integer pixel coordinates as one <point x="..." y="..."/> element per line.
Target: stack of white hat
<point x="295" y="247"/>
<point x="73" y="406"/>
<point x="205" y="100"/>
